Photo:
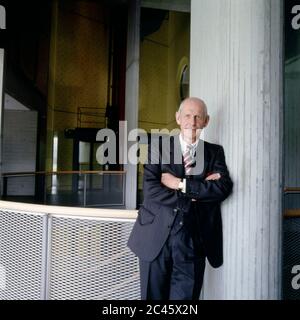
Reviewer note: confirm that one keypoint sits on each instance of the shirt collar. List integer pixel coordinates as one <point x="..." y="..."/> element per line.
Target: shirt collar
<point x="183" y="144"/>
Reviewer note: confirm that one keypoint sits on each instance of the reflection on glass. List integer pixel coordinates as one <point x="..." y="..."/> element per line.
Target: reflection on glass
<point x="292" y="98"/>
<point x="185" y="82"/>
<point x="165" y="41"/>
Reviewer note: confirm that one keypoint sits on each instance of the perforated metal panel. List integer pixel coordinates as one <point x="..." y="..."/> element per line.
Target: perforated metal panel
<point x="291" y="256"/>
<point x="89" y="259"/>
<point x="22" y="255"/>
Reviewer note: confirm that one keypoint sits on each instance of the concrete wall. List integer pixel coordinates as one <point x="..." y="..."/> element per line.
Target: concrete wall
<point x="236" y="57"/>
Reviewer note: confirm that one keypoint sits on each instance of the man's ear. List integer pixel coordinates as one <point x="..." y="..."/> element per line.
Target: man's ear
<point x="177" y="116"/>
<point x="206" y="121"/>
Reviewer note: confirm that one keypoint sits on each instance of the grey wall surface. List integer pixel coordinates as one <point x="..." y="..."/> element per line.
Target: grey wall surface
<point x="236" y="58"/>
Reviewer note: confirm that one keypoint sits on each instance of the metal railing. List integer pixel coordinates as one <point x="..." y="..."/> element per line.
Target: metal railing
<point x="288" y="211"/>
<point x="87" y="117"/>
<point x="63" y="253"/>
<point x="291" y="241"/>
<point x="291" y="190"/>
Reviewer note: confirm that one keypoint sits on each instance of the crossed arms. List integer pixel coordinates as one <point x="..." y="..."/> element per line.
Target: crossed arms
<point x="162" y="187"/>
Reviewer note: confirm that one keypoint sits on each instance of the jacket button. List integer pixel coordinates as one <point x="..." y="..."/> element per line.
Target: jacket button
<point x="175" y="210"/>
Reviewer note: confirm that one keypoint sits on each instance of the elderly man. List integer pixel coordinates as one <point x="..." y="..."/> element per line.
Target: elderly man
<point x="179" y="224"/>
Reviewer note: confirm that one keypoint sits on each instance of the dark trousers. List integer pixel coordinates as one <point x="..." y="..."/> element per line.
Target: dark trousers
<point x="177" y="272"/>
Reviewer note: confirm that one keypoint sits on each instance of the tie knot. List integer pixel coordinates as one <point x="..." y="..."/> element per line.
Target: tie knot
<point x="188" y="151"/>
<point x="189" y="147"/>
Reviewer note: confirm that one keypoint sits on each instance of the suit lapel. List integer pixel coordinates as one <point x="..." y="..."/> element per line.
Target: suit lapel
<point x="201" y="158"/>
<point x="178" y="168"/>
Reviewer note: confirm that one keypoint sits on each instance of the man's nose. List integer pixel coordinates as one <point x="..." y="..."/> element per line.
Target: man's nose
<point x="193" y="121"/>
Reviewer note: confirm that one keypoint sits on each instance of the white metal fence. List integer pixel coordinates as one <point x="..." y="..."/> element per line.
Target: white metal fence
<point x="52" y="255"/>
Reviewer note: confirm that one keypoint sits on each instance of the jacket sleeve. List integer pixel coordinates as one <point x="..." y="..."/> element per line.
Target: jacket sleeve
<point x="153" y="189"/>
<point x="212" y="190"/>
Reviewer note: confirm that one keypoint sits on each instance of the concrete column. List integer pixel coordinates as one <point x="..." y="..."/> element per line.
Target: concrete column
<point x="236" y="58"/>
<point x="132" y="92"/>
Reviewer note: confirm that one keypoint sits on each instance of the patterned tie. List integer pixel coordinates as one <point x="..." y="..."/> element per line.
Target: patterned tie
<point x="188" y="159"/>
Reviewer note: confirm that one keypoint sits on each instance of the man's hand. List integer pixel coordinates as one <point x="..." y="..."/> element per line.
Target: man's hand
<point x="170" y="181"/>
<point x="213" y="176"/>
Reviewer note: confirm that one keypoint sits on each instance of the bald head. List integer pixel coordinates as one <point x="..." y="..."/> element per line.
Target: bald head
<point x="194" y="101"/>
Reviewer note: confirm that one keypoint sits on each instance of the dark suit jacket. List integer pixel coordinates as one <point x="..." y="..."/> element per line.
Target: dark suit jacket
<point x="161" y="204"/>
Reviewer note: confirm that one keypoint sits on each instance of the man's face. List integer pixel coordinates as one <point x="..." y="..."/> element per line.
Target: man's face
<point x="191" y="119"/>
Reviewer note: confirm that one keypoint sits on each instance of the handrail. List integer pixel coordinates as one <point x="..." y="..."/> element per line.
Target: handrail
<point x="26" y="173"/>
<point x="99" y="116"/>
<point x="291" y="190"/>
<point x="291" y="213"/>
<point x="68" y="211"/>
